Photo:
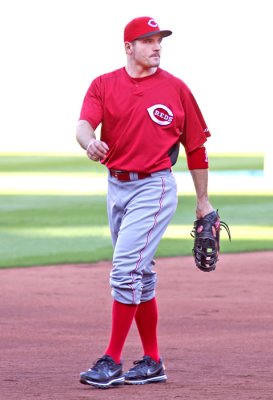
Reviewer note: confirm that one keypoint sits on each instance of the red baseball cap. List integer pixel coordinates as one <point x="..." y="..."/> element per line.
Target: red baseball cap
<point x="142" y="27"/>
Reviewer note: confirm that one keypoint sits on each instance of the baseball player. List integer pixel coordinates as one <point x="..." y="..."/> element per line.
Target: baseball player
<point x="145" y="114"/>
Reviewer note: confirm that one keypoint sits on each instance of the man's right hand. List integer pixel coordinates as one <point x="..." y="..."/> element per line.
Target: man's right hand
<point x="96" y="150"/>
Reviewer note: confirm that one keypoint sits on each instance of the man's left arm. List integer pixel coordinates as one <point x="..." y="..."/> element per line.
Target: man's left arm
<point x="198" y="166"/>
<point x="200" y="180"/>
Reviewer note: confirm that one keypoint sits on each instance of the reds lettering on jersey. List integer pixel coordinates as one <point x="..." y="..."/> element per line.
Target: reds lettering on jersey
<point x="160" y="114"/>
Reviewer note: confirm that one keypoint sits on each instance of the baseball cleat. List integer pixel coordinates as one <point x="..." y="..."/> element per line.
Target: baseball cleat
<point x="144" y="371"/>
<point x="104" y="373"/>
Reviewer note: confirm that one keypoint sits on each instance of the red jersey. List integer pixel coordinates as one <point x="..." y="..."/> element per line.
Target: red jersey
<point x="143" y="120"/>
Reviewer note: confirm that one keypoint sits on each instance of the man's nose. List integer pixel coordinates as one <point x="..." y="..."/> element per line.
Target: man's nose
<point x="157" y="46"/>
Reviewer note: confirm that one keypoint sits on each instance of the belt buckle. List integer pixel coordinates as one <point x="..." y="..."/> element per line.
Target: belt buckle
<point x="120" y="175"/>
<point x="115" y="173"/>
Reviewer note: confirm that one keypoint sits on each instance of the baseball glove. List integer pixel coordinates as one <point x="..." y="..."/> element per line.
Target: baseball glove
<point x="206" y="234"/>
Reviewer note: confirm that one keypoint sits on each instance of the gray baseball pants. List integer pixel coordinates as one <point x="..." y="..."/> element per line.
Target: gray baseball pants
<point x="139" y="212"/>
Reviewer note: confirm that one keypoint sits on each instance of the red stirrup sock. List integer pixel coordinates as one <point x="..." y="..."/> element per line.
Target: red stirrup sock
<point x="146" y="319"/>
<point x="122" y="318"/>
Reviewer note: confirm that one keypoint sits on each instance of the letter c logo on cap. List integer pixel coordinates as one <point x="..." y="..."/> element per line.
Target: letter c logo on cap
<point x="152" y="23"/>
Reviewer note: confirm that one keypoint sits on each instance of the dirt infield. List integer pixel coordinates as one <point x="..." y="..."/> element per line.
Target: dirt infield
<point x="215" y="331"/>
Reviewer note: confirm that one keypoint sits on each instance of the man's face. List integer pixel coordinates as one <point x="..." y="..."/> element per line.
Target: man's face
<point x="146" y="52"/>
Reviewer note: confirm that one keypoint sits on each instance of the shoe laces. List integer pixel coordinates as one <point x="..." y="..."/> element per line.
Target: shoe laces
<point x="144" y="361"/>
<point x="102" y="362"/>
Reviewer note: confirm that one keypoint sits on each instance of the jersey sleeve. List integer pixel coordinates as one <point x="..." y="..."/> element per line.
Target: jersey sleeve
<point x="195" y="131"/>
<point x="92" y="109"/>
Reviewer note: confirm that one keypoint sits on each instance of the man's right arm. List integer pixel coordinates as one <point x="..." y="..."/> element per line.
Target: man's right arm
<point x="85" y="135"/>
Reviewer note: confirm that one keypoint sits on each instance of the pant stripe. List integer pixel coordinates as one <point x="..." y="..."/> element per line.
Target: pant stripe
<point x="148" y="236"/>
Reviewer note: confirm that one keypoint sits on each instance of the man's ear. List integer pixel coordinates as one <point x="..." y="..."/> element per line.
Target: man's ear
<point x="128" y="47"/>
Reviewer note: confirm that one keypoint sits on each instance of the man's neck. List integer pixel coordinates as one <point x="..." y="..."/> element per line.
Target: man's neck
<point x="139" y="72"/>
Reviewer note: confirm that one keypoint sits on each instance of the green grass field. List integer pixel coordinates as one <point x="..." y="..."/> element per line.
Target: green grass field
<point x="63" y="164"/>
<point x="44" y="229"/>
